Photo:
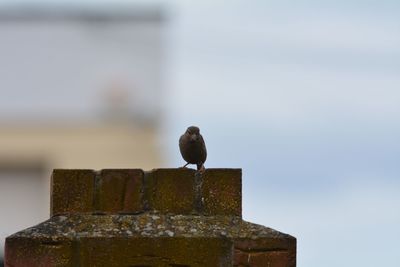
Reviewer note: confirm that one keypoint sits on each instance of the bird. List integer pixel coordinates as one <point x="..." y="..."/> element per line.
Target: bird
<point x="192" y="147"/>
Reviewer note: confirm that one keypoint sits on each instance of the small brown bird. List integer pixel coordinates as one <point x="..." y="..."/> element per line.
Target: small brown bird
<point x="193" y="148"/>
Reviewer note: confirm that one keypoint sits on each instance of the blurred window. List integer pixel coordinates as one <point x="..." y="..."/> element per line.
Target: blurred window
<point x="24" y="197"/>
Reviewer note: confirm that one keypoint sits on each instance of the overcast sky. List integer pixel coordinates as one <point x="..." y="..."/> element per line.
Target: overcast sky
<point x="304" y="96"/>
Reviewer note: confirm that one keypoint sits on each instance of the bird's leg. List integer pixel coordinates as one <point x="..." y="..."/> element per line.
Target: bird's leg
<point x="201" y="168"/>
<point x="184" y="166"/>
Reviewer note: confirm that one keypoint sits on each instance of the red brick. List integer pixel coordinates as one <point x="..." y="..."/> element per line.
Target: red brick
<point x="120" y="191"/>
<point x="270" y="258"/>
<point x="276" y="252"/>
<point x="240" y="258"/>
<point x="247" y="244"/>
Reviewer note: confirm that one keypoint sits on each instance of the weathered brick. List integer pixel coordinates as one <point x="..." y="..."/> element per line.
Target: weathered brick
<point x="120" y="191"/>
<point x="72" y="191"/>
<point x="240" y="258"/>
<point x="247" y="244"/>
<point x="143" y="238"/>
<point x="261" y="259"/>
<point x="28" y="252"/>
<point x="269" y="258"/>
<point x="273" y="252"/>
<point x="222" y="192"/>
<point x="170" y="190"/>
<point x="145" y="251"/>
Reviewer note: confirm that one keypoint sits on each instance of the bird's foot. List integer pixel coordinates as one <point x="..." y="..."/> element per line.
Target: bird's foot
<point x="202" y="169"/>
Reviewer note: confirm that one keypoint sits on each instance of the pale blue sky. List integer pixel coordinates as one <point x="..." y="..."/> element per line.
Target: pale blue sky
<point x="304" y="96"/>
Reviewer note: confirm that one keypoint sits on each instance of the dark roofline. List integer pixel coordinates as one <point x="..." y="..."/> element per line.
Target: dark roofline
<point x="108" y="13"/>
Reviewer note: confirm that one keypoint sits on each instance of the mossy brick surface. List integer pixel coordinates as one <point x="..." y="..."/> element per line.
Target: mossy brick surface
<point x="222" y="192"/>
<point x="120" y="191"/>
<point x="118" y="238"/>
<point x="72" y="191"/>
<point x="28" y="252"/>
<point x="170" y="190"/>
<point x="160" y="252"/>
<point x="165" y="217"/>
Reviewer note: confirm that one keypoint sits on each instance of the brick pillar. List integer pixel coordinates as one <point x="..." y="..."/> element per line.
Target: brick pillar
<point x="164" y="217"/>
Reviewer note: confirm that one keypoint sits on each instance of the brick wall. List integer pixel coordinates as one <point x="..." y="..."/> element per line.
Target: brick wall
<point x="163" y="217"/>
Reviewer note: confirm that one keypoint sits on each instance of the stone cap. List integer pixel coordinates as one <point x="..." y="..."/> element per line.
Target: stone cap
<point x="122" y="240"/>
<point x="64" y="227"/>
<point x="134" y="191"/>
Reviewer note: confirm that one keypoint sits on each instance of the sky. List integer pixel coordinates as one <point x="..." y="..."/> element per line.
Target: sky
<point x="304" y="96"/>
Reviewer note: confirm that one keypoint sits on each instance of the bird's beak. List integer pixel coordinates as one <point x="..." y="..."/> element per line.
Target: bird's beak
<point x="193" y="138"/>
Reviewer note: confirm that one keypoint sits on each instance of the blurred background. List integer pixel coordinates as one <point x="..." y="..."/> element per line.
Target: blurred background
<point x="303" y="95"/>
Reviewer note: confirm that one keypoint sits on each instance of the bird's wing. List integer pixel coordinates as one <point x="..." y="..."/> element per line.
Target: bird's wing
<point x="203" y="150"/>
<point x="181" y="142"/>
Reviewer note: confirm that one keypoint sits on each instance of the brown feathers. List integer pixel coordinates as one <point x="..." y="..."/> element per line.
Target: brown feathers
<point x="193" y="148"/>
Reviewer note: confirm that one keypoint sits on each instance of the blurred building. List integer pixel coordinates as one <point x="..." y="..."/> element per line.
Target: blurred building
<point x="81" y="88"/>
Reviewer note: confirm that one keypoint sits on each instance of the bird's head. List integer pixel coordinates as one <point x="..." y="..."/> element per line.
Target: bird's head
<point x="194" y="133"/>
